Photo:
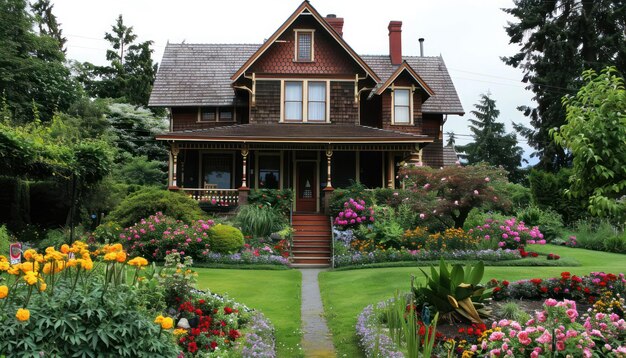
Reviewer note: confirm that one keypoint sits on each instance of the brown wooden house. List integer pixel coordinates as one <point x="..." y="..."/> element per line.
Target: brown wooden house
<point x="302" y="110"/>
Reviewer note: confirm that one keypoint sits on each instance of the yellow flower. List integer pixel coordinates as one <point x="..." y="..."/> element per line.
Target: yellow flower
<point x="4" y="291"/>
<point x="111" y="256"/>
<point x="30" y="278"/>
<point x="4" y="265"/>
<point x="3" y="258"/>
<point x="22" y="314"/>
<point x="158" y="319"/>
<point x="28" y="254"/>
<point x="167" y="323"/>
<point x="180" y="331"/>
<point x="14" y="270"/>
<point x="42" y="287"/>
<point x="65" y="248"/>
<point x="121" y="256"/>
<point x="138" y="261"/>
<point x="87" y="264"/>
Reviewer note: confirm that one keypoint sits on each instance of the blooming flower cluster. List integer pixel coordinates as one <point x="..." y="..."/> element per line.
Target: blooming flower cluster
<point x="556" y="330"/>
<point x="158" y="235"/>
<point x="372" y="340"/>
<point x="581" y="288"/>
<point x="509" y="234"/>
<point x="354" y="213"/>
<point x="259" y="342"/>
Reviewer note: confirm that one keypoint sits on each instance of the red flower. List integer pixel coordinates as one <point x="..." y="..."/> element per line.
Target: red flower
<point x="228" y="310"/>
<point x="565" y="275"/>
<point x="505" y="283"/>
<point x="557" y="289"/>
<point x="536" y="281"/>
<point x="201" y="302"/>
<point x="195" y="331"/>
<point x="543" y="289"/>
<point x="192" y="347"/>
<point x="470" y="331"/>
<point x="587" y="290"/>
<point x="199" y="312"/>
<point x="213" y="345"/>
<point x="234" y="334"/>
<point x="496" y="289"/>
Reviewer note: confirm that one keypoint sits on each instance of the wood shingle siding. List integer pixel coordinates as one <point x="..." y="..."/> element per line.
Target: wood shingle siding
<point x="267" y="109"/>
<point x="342" y="106"/>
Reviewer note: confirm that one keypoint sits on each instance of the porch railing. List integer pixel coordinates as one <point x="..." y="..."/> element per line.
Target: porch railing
<point x="214" y="197"/>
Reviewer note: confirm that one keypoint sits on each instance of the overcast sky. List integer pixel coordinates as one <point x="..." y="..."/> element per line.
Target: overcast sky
<point x="468" y="34"/>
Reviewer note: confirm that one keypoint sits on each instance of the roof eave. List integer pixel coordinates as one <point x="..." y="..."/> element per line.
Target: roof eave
<point x="405" y="67"/>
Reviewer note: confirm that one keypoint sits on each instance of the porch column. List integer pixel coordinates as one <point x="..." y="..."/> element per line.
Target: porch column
<point x="328" y="190"/>
<point x="390" y="171"/>
<point x="174" y="150"/>
<point x="244" y="190"/>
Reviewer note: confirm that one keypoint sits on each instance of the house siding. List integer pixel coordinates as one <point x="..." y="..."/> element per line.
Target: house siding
<point x="416" y="128"/>
<point x="267" y="108"/>
<point x="342" y="106"/>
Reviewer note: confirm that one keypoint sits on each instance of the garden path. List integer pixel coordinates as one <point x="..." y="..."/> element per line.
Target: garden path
<point x="316" y="341"/>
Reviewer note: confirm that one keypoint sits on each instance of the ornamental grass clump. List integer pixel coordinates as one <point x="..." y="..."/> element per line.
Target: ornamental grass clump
<point x="88" y="293"/>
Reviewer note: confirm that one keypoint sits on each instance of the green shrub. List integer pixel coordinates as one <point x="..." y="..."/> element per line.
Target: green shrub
<point x="549" y="222"/>
<point x="259" y="221"/>
<point x="477" y="217"/>
<point x="519" y="195"/>
<point x="149" y="201"/>
<point x="54" y="238"/>
<point x="5" y="241"/>
<point x="548" y="192"/>
<point x="279" y="199"/>
<point x="225" y="239"/>
<point x="592" y="235"/>
<point x="615" y="243"/>
<point x="108" y="232"/>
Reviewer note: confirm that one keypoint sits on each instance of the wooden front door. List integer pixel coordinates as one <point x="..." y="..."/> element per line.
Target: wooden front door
<point x="306" y="187"/>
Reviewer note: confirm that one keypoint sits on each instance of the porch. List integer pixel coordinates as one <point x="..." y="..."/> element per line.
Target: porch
<point x="220" y="172"/>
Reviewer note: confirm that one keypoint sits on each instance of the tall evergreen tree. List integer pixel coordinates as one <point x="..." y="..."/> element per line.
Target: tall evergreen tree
<point x="451" y="139"/>
<point x="32" y="66"/>
<point x="131" y="71"/>
<point x="47" y="22"/>
<point x="559" y="39"/>
<point x="491" y="144"/>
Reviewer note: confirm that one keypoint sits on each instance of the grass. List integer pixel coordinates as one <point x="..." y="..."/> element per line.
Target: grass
<point x="276" y="293"/>
<point x="346" y="293"/>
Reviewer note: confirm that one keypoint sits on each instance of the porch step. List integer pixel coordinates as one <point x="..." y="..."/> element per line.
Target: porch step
<point x="311" y="240"/>
<point x="308" y="265"/>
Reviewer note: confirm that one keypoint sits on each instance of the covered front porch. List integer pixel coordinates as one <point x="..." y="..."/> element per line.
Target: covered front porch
<point x="220" y="173"/>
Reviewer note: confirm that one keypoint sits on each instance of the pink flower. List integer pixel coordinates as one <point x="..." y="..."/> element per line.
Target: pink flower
<point x="523" y="338"/>
<point x="487" y="179"/>
<point x="496" y="336"/>
<point x="546" y="337"/>
<point x="422" y="216"/>
<point x="426" y="186"/>
<point x="475" y="192"/>
<point x="550" y="302"/>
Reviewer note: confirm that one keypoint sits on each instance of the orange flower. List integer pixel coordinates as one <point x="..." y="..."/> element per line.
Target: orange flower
<point x="22" y="315"/>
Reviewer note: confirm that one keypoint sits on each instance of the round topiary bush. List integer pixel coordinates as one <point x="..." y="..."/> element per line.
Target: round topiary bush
<point x="225" y="239"/>
<point x="150" y="200"/>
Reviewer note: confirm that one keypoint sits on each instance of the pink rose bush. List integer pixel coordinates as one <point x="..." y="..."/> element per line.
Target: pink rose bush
<point x="510" y="234"/>
<point x="354" y="213"/>
<point x="558" y="330"/>
<point x="159" y="235"/>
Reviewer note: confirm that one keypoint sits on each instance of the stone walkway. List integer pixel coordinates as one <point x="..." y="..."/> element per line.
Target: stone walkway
<point x="317" y="341"/>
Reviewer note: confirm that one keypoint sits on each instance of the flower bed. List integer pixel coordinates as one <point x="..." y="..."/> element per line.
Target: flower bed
<point x="581" y="288"/>
<point x="392" y="255"/>
<point x="259" y="342"/>
<point x="245" y="257"/>
<point x="373" y="341"/>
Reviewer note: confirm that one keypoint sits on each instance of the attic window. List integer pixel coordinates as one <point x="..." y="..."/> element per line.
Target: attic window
<point x="304" y="45"/>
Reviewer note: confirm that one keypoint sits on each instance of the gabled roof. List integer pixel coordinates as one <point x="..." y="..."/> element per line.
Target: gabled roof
<point x="198" y="74"/>
<point x="296" y="133"/>
<point x="305" y="7"/>
<point x="404" y="67"/>
<point x="432" y="70"/>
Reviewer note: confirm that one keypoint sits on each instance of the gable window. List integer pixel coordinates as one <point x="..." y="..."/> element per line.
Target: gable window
<point x="216" y="114"/>
<point x="402" y="106"/>
<point x="305" y="101"/>
<point x="304" y="45"/>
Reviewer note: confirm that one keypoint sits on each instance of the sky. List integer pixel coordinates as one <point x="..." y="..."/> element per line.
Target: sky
<point x="469" y="35"/>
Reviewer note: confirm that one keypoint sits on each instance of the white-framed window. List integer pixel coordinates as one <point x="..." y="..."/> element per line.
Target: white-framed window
<point x="216" y="114"/>
<point x="402" y="108"/>
<point x="304" y="40"/>
<point x="305" y="101"/>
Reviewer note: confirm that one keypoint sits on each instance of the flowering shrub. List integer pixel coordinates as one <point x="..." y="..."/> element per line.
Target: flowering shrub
<point x="77" y="290"/>
<point x="580" y="288"/>
<point x="159" y="235"/>
<point x="509" y="234"/>
<point x="354" y="213"/>
<point x="556" y="330"/>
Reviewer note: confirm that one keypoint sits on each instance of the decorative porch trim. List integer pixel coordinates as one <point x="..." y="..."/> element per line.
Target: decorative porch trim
<point x="374" y="147"/>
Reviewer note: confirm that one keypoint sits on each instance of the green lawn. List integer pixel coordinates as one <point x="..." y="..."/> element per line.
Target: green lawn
<point x="275" y="293"/>
<point x="346" y="293"/>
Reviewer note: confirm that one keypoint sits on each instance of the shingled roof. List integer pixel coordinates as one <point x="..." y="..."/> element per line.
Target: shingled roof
<point x="199" y="75"/>
<point x="433" y="71"/>
<point x="302" y="133"/>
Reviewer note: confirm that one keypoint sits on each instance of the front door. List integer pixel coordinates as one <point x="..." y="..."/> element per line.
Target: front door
<point x="306" y="187"/>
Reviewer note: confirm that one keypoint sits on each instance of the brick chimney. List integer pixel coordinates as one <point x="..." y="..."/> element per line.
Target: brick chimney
<point x="335" y="22"/>
<point x="395" y="42"/>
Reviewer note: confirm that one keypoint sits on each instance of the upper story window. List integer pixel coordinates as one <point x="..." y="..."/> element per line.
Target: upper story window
<point x="305" y="101"/>
<point x="304" y="45"/>
<point x="216" y="114"/>
<point x="402" y="106"/>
